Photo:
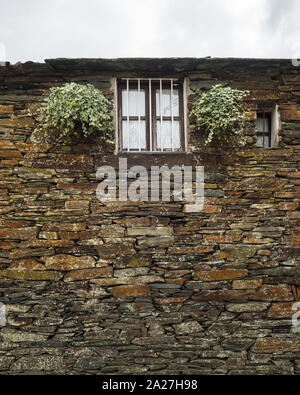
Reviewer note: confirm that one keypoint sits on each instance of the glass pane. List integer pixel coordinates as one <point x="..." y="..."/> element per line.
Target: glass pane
<point x="166" y="102"/>
<point x="134" y="134"/>
<point x="262" y="125"/>
<point x="167" y="135"/>
<point x="133" y="97"/>
<point x="266" y="141"/>
<point x="260" y="142"/>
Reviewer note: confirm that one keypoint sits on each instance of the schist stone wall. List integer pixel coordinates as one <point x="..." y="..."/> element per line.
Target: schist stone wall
<point x="147" y="287"/>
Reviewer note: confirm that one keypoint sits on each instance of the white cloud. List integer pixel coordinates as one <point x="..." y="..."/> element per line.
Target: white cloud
<point x="35" y="29"/>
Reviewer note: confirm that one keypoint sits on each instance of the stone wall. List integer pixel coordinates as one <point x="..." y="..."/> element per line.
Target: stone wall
<point x="146" y="287"/>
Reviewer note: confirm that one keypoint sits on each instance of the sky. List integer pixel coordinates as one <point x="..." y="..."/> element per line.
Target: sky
<point x="41" y="29"/>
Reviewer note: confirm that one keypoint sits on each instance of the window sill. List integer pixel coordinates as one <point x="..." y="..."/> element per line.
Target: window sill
<point x="151" y="152"/>
<point x="267" y="147"/>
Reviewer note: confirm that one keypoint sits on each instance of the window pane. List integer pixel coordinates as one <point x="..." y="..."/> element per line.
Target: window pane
<point x="262" y="125"/>
<point x="134" y="134"/>
<point x="263" y="141"/>
<point x="266" y="141"/>
<point x="166" y="102"/>
<point x="133" y="102"/>
<point x="260" y="142"/>
<point x="167" y="134"/>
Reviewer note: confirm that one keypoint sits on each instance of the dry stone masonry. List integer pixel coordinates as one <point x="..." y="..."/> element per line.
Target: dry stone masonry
<point x="148" y="287"/>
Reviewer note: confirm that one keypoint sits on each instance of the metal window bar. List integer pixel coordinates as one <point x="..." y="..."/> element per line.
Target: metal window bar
<point x="150" y="115"/>
<point x="184" y="113"/>
<point x="172" y="116"/>
<point x="128" y="122"/>
<point x="139" y="112"/>
<point x="161" y="117"/>
<point x="116" y="114"/>
<point x="264" y="116"/>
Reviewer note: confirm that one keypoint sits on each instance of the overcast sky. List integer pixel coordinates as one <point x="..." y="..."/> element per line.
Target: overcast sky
<point x="40" y="29"/>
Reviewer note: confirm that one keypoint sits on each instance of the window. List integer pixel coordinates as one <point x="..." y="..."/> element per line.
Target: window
<point x="267" y="126"/>
<point x="150" y="115"/>
<point x="263" y="126"/>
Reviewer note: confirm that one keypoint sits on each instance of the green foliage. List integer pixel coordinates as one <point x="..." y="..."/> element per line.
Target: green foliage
<point x="75" y="110"/>
<point x="220" y="114"/>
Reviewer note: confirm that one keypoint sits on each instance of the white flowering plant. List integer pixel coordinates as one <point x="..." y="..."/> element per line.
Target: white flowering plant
<point x="75" y="110"/>
<point x="220" y="114"/>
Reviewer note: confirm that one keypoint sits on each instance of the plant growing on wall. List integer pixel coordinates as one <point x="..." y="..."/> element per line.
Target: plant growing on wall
<point x="219" y="113"/>
<point x="75" y="110"/>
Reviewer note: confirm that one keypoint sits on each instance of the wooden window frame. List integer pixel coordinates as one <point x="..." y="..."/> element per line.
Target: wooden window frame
<point x="263" y="113"/>
<point x="151" y="123"/>
<point x="133" y="84"/>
